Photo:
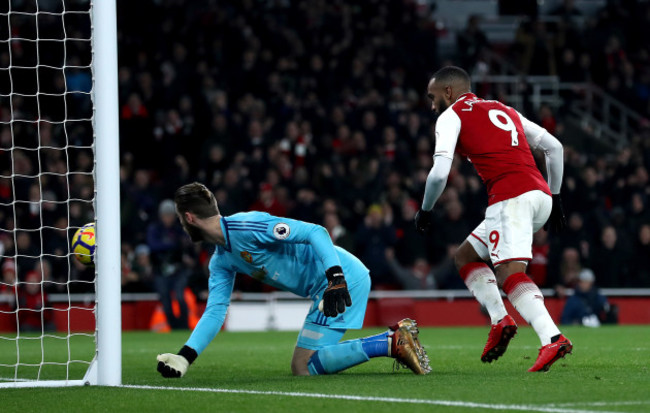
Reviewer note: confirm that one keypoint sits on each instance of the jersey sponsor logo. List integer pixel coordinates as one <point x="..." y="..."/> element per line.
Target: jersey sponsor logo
<point x="281" y="231"/>
<point x="246" y="256"/>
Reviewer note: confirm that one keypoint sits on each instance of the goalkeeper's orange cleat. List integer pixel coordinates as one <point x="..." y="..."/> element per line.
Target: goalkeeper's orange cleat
<point x="405" y="347"/>
<point x="500" y="335"/>
<point x="551" y="353"/>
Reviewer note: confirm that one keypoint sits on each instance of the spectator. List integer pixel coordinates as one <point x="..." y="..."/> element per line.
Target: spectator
<point x="471" y="41"/>
<point x="373" y="238"/>
<point x="27" y="254"/>
<point x="641" y="258"/>
<point x="447" y="276"/>
<point x="142" y="263"/>
<point x="569" y="68"/>
<point x="417" y="277"/>
<point x="534" y="45"/>
<point x="453" y="227"/>
<point x="570" y="267"/>
<point x="409" y="245"/>
<point x="609" y="260"/>
<point x="33" y="314"/>
<point x="338" y="233"/>
<point x="8" y="280"/>
<point x="57" y="246"/>
<point x="137" y="271"/>
<point x="268" y="202"/>
<point x="587" y="306"/>
<point x="170" y="260"/>
<point x="306" y="205"/>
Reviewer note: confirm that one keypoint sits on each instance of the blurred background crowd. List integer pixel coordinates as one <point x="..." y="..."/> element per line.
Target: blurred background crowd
<point x="316" y="110"/>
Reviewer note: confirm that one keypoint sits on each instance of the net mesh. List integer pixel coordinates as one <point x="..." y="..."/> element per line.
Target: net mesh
<point x="46" y="189"/>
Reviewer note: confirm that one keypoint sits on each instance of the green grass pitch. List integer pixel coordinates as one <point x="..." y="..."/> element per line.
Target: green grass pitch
<point x="607" y="372"/>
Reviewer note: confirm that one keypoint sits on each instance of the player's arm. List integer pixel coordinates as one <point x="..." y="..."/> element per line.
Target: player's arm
<point x="285" y="230"/>
<point x="336" y="296"/>
<point x="540" y="140"/>
<point x="176" y="365"/>
<point x="447" y="131"/>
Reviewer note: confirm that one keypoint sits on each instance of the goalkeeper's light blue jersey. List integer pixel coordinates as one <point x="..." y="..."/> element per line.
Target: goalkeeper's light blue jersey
<point x="287" y="254"/>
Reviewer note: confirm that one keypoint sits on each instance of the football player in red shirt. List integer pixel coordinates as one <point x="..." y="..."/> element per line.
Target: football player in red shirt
<point x="498" y="141"/>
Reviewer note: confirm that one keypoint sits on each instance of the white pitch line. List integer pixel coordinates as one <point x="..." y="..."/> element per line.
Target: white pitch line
<point x="451" y="403"/>
<point x="596" y="404"/>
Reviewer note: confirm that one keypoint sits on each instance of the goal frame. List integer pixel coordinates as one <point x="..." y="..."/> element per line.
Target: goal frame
<point x="106" y="367"/>
<point x="107" y="186"/>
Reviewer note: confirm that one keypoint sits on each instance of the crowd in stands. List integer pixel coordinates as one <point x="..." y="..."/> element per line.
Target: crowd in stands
<point x="316" y="110"/>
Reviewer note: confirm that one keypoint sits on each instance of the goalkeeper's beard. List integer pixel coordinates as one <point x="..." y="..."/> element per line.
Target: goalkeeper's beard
<point x="441" y="107"/>
<point x="195" y="234"/>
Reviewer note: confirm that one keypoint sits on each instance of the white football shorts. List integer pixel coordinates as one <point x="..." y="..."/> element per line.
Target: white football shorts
<point x="506" y="234"/>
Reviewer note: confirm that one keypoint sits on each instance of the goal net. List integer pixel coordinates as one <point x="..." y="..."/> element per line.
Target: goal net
<point x="58" y="167"/>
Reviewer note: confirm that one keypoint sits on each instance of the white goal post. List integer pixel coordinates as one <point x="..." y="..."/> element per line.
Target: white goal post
<point x="104" y="362"/>
<point x="109" y="274"/>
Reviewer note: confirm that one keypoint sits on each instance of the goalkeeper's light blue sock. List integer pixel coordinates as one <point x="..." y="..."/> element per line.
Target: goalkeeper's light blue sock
<point x="341" y="356"/>
<point x="377" y="345"/>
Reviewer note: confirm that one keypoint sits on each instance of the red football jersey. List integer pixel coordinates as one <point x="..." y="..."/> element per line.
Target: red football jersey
<point x="492" y="138"/>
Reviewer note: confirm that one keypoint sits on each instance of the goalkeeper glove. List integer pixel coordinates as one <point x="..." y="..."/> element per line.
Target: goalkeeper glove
<point x="175" y="365"/>
<point x="336" y="296"/>
<point x="423" y="221"/>
<point x="557" y="220"/>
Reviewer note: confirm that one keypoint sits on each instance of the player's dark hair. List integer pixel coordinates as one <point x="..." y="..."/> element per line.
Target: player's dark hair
<point x="197" y="199"/>
<point x="452" y="75"/>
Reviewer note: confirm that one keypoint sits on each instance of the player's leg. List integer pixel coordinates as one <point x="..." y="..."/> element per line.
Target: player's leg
<point x="319" y="350"/>
<point x="300" y="360"/>
<point x="514" y="226"/>
<point x="399" y="342"/>
<point x="478" y="276"/>
<point x="480" y="280"/>
<point x="327" y="355"/>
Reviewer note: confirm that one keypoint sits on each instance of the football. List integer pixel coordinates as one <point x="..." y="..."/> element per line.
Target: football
<point x="83" y="244"/>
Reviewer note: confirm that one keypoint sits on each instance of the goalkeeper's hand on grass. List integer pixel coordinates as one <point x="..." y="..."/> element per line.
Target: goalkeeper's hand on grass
<point x="176" y="365"/>
<point x="336" y="296"/>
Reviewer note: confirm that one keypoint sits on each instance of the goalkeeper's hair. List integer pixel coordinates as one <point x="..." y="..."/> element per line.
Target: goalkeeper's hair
<point x="452" y="75"/>
<point x="197" y="199"/>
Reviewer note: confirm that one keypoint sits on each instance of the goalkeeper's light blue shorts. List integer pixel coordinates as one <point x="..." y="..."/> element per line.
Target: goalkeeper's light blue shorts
<point x="319" y="331"/>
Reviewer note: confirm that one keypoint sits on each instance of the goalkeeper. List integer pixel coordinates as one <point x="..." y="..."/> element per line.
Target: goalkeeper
<point x="292" y="256"/>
